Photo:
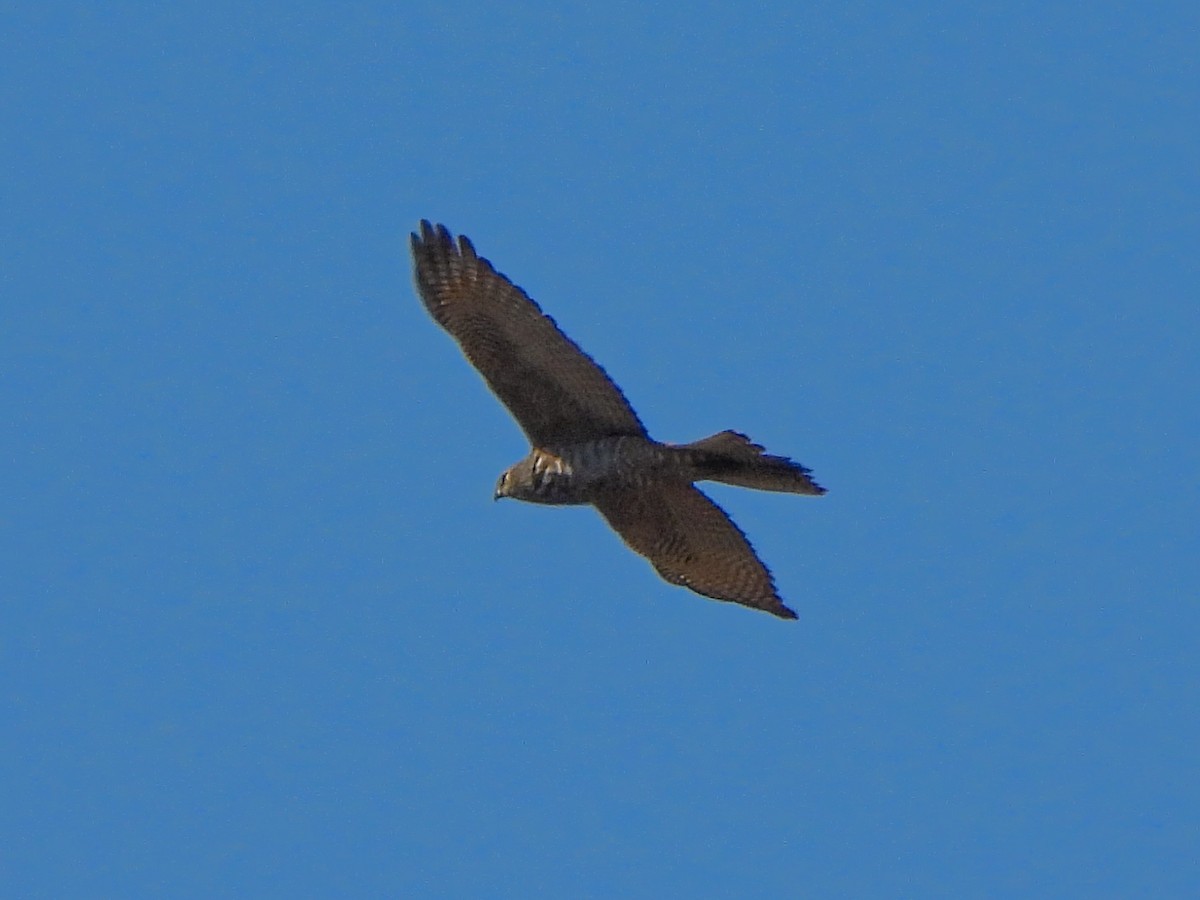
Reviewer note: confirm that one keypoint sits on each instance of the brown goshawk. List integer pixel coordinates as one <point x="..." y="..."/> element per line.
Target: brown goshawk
<point x="589" y="447"/>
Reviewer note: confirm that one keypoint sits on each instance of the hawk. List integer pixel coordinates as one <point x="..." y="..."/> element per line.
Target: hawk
<point x="588" y="445"/>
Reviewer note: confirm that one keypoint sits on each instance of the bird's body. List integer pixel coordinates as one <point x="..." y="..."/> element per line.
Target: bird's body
<point x="589" y="447"/>
<point x="578" y="473"/>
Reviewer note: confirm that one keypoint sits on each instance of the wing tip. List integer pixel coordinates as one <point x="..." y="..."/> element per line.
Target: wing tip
<point x="430" y="235"/>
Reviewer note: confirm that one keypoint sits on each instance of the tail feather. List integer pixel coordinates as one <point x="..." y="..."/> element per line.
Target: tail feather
<point x="732" y="458"/>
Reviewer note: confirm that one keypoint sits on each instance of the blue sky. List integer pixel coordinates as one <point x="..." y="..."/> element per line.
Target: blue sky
<point x="262" y="630"/>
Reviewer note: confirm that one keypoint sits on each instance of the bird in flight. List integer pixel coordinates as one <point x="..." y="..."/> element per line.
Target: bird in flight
<point x="588" y="445"/>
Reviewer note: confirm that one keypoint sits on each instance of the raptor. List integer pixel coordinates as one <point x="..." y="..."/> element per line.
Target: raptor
<point x="589" y="446"/>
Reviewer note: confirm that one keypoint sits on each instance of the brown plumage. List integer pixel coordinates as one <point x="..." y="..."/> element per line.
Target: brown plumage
<point x="589" y="447"/>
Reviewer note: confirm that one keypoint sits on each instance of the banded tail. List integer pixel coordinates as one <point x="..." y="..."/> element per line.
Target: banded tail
<point x="732" y="458"/>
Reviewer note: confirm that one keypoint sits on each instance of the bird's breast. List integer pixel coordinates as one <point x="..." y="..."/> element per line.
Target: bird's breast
<point x="552" y="479"/>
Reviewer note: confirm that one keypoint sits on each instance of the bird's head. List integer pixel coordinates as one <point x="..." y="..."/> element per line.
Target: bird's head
<point x="503" y="483"/>
<point x="517" y="481"/>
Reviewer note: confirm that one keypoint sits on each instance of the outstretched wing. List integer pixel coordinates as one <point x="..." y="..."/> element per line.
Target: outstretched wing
<point x="557" y="393"/>
<point x="691" y="541"/>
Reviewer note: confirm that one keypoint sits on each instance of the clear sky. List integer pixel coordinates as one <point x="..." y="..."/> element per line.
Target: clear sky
<point x="262" y="629"/>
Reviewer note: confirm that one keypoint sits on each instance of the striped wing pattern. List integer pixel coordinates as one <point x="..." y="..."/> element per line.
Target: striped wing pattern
<point x="692" y="542"/>
<point x="556" y="392"/>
